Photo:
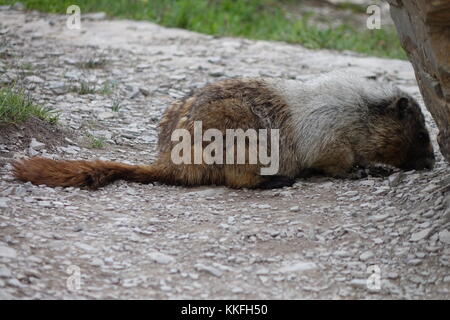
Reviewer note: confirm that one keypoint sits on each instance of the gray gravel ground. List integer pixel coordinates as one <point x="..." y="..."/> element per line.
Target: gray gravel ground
<point x="317" y="239"/>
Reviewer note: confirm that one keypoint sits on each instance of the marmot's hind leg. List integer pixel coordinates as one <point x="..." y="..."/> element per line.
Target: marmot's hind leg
<point x="249" y="176"/>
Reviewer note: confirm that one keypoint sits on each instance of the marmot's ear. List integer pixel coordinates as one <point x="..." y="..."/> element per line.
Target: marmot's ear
<point x="401" y="106"/>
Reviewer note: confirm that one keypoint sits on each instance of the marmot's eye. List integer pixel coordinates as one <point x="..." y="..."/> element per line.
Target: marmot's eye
<point x="423" y="136"/>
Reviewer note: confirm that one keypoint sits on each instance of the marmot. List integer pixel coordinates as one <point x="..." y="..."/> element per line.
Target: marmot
<point x="330" y="124"/>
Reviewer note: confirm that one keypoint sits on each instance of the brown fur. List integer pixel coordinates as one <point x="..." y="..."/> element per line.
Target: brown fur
<point x="236" y="101"/>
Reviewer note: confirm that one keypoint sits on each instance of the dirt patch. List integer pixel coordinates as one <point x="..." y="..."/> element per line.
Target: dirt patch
<point x="15" y="137"/>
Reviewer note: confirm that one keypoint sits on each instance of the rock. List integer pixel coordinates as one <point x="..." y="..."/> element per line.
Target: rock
<point x="36" y="145"/>
<point x="209" y="269"/>
<point x="430" y="188"/>
<point x="178" y="77"/>
<point x="444" y="236"/>
<point x="101" y="134"/>
<point x="70" y="150"/>
<point x="216" y="73"/>
<point x="359" y="283"/>
<point x="261" y="206"/>
<point x="58" y="88"/>
<point x="395" y="179"/>
<point x="34" y="79"/>
<point x="5" y="272"/>
<point x="367" y="183"/>
<point x="207" y="192"/>
<point x="392" y="275"/>
<point x="4" y="202"/>
<point x="32" y="152"/>
<point x="381" y="191"/>
<point x="145" y="92"/>
<point x="428" y="214"/>
<point x="447" y="215"/>
<point x="237" y="290"/>
<point x="423" y="29"/>
<point x="85" y="247"/>
<point x="6" y="296"/>
<point x="130" y="283"/>
<point x="97" y="262"/>
<point x="15" y="283"/>
<point x="341" y="253"/>
<point x="298" y="266"/>
<point x="105" y="115"/>
<point x="161" y="258"/>
<point x="350" y="193"/>
<point x="7" y="252"/>
<point x="44" y="203"/>
<point x="423" y="234"/>
<point x="380" y="217"/>
<point x="366" y="255"/>
<point x="95" y="16"/>
<point x="414" y="262"/>
<point x="214" y="60"/>
<point x="294" y="209"/>
<point x="446" y="200"/>
<point x="135" y="93"/>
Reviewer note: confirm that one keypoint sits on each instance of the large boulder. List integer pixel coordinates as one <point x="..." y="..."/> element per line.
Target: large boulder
<point x="424" y="30"/>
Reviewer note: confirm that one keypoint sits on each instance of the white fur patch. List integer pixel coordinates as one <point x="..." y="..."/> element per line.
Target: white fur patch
<point x="330" y="102"/>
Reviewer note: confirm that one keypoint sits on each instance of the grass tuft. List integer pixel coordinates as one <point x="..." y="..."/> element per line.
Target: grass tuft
<point x="108" y="87"/>
<point x="84" y="88"/>
<point x="93" y="63"/>
<point x="96" y="143"/>
<point x="116" y="105"/>
<point x="17" y="107"/>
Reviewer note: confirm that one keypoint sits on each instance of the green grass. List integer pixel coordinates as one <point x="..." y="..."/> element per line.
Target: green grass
<point x="96" y="143"/>
<point x="17" y="107"/>
<point x="84" y="88"/>
<point x="255" y="19"/>
<point x="108" y="87"/>
<point x="357" y="8"/>
<point x="116" y="105"/>
<point x="93" y="63"/>
<point x="27" y="66"/>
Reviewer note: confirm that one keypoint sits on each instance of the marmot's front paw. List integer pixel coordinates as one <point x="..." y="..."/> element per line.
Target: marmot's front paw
<point x="275" y="182"/>
<point x="380" y="172"/>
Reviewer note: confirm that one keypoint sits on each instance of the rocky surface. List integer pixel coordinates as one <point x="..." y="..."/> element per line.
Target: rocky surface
<point x="321" y="238"/>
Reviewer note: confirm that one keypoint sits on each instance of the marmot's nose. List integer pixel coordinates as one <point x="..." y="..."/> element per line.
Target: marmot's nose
<point x="426" y="163"/>
<point x="429" y="164"/>
<point x="422" y="163"/>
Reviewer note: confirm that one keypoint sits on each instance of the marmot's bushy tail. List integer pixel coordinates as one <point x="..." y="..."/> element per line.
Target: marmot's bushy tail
<point x="82" y="174"/>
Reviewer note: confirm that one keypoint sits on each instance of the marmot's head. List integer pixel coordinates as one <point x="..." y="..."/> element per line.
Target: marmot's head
<point x="400" y="136"/>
